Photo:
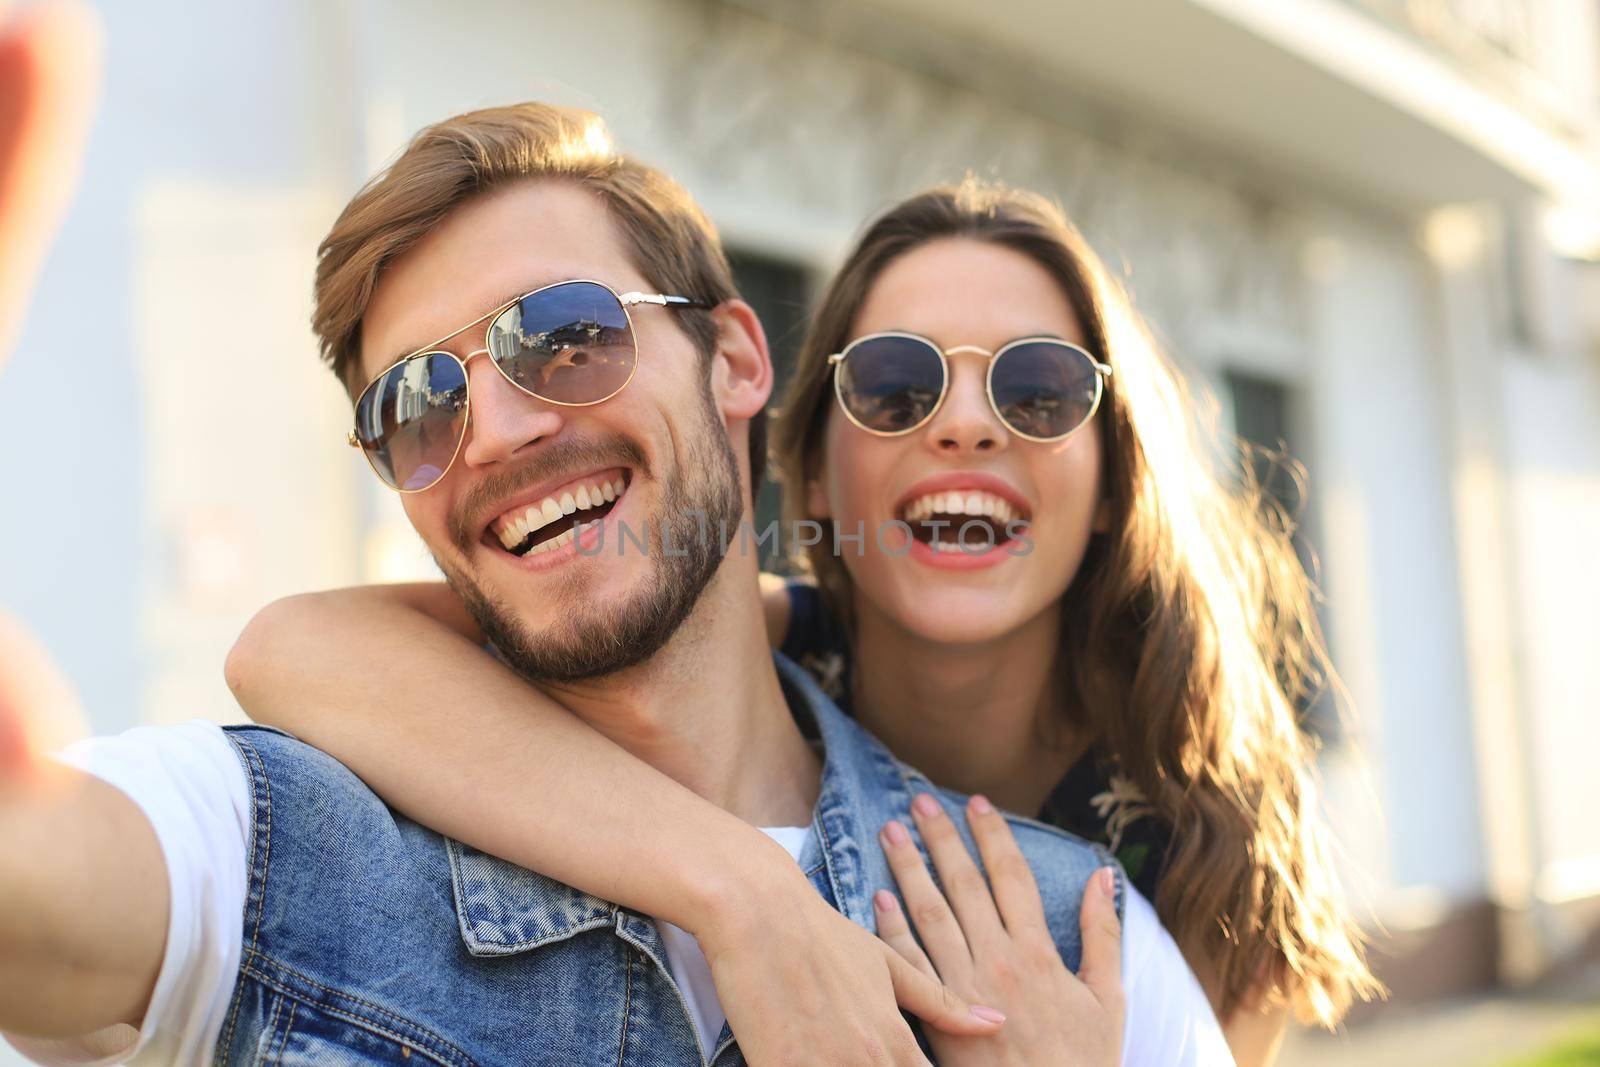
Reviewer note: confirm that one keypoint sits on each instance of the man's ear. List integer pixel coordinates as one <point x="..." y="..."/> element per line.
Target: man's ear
<point x="741" y="367"/>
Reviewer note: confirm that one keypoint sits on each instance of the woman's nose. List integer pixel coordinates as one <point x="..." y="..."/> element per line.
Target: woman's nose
<point x="505" y="420"/>
<point x="965" y="423"/>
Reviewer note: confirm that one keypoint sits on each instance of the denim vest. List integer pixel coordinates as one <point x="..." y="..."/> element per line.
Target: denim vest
<point x="369" y="939"/>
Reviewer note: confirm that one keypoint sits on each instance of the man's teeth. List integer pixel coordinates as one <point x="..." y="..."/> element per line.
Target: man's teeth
<point x="514" y="529"/>
<point x="553" y="543"/>
<point x="963" y="502"/>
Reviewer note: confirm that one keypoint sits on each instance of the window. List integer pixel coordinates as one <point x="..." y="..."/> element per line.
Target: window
<point x="780" y="292"/>
<point x="1264" y="416"/>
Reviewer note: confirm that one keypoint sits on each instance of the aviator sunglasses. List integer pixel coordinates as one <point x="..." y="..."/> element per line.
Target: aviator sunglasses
<point x="570" y="343"/>
<point x="1042" y="388"/>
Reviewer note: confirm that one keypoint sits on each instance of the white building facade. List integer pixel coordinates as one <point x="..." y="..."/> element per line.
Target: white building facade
<point x="1369" y="225"/>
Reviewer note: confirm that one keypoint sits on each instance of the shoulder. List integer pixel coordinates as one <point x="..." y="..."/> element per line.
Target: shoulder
<point x="267" y="747"/>
<point x="1097" y="801"/>
<point x="1061" y="860"/>
<point x="294" y="781"/>
<point x="167" y="769"/>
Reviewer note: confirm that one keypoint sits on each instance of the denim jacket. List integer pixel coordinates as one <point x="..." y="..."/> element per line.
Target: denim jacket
<point x="369" y="939"/>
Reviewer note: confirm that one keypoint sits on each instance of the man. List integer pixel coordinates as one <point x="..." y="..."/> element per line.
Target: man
<point x="524" y="317"/>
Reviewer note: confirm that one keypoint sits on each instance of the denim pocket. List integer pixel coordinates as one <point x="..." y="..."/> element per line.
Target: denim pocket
<point x="300" y="1035"/>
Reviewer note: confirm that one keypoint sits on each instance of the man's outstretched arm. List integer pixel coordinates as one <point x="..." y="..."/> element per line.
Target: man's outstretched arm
<point x="85" y="895"/>
<point x="83" y="892"/>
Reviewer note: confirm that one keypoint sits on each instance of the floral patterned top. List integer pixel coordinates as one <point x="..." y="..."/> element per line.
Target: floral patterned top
<point x="1092" y="800"/>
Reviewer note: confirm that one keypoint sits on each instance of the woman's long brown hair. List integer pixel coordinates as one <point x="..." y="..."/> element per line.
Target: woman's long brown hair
<point x="1194" y="610"/>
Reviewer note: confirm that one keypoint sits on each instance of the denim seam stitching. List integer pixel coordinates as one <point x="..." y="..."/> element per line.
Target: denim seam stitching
<point x="826" y="842"/>
<point x="260" y="849"/>
<point x="469" y="926"/>
<point x="445" y="1053"/>
<point x="256" y="779"/>
<point x="627" y="1007"/>
<point x="463" y="923"/>
<point x="288" y="1028"/>
<point x="262" y="1054"/>
<point x="1119" y="877"/>
<point x="516" y="947"/>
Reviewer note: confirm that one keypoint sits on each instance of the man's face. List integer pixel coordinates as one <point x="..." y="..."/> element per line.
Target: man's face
<point x="561" y="614"/>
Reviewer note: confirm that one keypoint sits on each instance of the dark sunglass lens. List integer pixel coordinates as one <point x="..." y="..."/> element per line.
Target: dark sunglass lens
<point x="570" y="343"/>
<point x="410" y="421"/>
<point x="1044" y="388"/>
<point x="890" y="384"/>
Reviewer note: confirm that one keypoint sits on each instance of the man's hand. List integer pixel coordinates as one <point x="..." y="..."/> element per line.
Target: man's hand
<point x="49" y="78"/>
<point x="38" y="711"/>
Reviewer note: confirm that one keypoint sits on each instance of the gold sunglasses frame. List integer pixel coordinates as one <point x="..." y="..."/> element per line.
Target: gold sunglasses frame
<point x="1102" y="375"/>
<point x="624" y="300"/>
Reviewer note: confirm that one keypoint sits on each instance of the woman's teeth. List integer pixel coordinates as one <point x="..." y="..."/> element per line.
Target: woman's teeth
<point x="965" y="502"/>
<point x="514" y="529"/>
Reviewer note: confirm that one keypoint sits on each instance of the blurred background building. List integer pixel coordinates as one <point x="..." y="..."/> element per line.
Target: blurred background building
<point x="1370" y="225"/>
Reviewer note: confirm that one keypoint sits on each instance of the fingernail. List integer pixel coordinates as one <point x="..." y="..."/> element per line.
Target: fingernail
<point x="896" y="834"/>
<point x="981" y="805"/>
<point x="1108" y="882"/>
<point x="885" y="901"/>
<point x="988" y="1015"/>
<point x="926" y="806"/>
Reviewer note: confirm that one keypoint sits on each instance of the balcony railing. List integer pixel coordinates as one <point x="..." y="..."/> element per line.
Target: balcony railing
<point x="1469" y="30"/>
<point x="1496" y="43"/>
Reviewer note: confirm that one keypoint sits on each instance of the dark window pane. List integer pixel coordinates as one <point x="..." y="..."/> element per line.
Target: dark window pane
<point x="1263" y="416"/>
<point x="780" y="292"/>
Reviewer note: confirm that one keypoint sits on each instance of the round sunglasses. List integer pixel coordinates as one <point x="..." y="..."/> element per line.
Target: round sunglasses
<point x="1041" y="388"/>
<point x="570" y="343"/>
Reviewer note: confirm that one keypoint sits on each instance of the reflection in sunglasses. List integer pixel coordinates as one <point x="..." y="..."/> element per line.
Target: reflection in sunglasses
<point x="1042" y="388"/>
<point x="569" y="343"/>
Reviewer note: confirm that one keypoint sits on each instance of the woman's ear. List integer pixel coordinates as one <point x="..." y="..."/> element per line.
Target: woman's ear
<point x="741" y="372"/>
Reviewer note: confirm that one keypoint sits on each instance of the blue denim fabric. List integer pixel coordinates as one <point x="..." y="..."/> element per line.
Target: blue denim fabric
<point x="371" y="940"/>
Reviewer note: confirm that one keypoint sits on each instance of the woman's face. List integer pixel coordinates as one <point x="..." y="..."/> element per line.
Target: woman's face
<point x="961" y="291"/>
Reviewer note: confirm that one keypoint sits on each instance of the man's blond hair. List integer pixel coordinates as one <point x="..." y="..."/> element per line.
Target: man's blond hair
<point x="670" y="240"/>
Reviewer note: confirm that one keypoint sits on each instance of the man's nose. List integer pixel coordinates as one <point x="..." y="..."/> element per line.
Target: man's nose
<point x="965" y="423"/>
<point x="505" y="421"/>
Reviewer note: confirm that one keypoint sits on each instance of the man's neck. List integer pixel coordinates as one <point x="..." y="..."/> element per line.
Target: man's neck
<point x="708" y="709"/>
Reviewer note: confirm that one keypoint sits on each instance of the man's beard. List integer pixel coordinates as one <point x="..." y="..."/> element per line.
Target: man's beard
<point x="620" y="635"/>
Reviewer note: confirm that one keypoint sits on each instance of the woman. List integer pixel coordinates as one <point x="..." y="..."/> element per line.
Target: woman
<point x="1124" y="660"/>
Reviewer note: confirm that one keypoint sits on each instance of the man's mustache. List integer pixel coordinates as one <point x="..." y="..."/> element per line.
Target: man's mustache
<point x="558" y="460"/>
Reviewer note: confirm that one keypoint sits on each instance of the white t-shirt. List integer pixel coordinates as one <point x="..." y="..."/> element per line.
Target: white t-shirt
<point x="189" y="783"/>
<point x="692" y="971"/>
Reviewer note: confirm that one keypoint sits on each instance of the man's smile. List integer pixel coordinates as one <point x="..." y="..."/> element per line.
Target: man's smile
<point x="546" y="519"/>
